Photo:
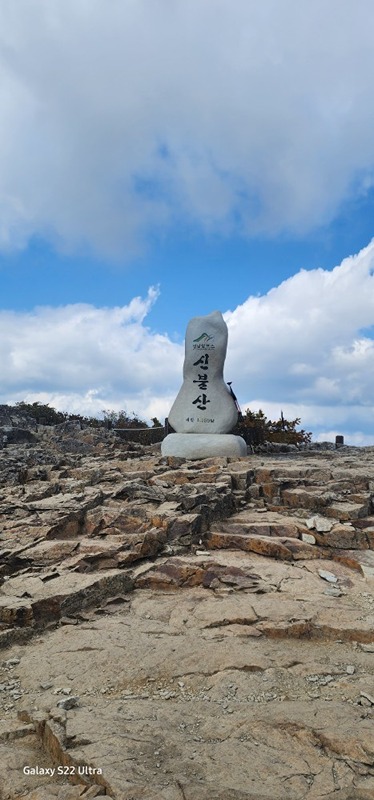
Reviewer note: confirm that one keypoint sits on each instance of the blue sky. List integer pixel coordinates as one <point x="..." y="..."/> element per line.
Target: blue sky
<point x="220" y="153"/>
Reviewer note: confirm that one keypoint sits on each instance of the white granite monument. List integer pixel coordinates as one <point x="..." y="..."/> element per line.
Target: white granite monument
<point x="204" y="410"/>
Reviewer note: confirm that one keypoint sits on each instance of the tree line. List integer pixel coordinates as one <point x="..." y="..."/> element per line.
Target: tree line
<point x="44" y="414"/>
<point x="252" y="425"/>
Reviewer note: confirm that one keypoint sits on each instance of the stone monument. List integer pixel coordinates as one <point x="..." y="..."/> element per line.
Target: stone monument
<point x="204" y="411"/>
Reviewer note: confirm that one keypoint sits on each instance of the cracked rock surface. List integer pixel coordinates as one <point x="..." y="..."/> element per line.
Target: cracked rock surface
<point x="176" y="630"/>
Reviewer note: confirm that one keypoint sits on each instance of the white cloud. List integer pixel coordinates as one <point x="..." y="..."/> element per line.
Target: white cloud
<point x="119" y="118"/>
<point x="300" y="348"/>
<point x="82" y="358"/>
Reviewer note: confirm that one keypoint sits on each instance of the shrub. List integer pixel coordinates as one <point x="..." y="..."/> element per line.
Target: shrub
<point x="256" y="428"/>
<point x="43" y="414"/>
<point x="121" y="419"/>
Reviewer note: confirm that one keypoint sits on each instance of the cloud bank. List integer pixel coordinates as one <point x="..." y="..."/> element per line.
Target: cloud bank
<point x="85" y="359"/>
<point x="305" y="347"/>
<point x="120" y="119"/>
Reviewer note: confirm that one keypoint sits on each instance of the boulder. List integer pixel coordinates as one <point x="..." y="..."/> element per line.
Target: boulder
<point x="14" y="435"/>
<point x="204" y="403"/>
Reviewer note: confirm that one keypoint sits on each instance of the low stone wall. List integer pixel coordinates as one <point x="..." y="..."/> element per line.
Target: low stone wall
<point x="141" y="435"/>
<point x="253" y="436"/>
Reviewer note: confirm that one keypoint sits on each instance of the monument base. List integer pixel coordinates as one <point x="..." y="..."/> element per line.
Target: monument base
<point x="203" y="445"/>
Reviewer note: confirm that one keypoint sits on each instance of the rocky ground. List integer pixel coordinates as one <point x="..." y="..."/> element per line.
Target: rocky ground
<point x="181" y="630"/>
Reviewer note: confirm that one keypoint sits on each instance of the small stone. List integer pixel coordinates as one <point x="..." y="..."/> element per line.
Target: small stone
<point x="367" y="648"/>
<point x="368" y="697"/>
<point x="327" y="576"/>
<point x="308" y="538"/>
<point x="69" y="702"/>
<point x="320" y="524"/>
<point x="47" y="685"/>
<point x="350" y="669"/>
<point x="333" y="591"/>
<point x="12" y="662"/>
<point x="363" y="701"/>
<point x="93" y="791"/>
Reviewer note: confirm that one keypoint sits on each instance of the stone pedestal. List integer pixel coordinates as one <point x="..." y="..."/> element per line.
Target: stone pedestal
<point x="203" y="445"/>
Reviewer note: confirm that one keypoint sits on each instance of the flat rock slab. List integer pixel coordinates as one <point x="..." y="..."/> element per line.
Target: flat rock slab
<point x="225" y="674"/>
<point x="287" y="548"/>
<point x="28" y="601"/>
<point x="213" y="692"/>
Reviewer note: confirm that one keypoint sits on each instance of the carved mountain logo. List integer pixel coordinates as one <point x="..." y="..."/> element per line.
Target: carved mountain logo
<point x="203" y="338"/>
